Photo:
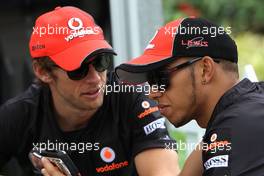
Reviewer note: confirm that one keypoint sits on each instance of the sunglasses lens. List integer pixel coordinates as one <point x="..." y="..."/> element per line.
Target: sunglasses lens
<point x="150" y="79"/>
<point x="164" y="83"/>
<point x="158" y="78"/>
<point x="79" y="73"/>
<point x="101" y="63"/>
<point x="153" y="78"/>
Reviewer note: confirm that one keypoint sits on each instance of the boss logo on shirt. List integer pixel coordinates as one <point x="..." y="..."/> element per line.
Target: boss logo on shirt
<point x="151" y="127"/>
<point x="217" y="161"/>
<point x="217" y="150"/>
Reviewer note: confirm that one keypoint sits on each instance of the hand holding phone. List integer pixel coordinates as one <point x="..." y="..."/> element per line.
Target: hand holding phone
<point x="58" y="158"/>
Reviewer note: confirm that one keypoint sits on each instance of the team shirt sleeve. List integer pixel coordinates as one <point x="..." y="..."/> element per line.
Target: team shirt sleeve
<point x="148" y="126"/>
<point x="234" y="145"/>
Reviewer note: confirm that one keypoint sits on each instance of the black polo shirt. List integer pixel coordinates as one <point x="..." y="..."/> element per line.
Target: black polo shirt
<point x="233" y="142"/>
<point x="125" y="125"/>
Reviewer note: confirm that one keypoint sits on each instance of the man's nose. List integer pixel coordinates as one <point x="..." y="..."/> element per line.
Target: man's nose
<point x="93" y="76"/>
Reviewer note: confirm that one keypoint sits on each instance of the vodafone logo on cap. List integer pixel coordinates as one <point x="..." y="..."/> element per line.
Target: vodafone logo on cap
<point x="77" y="29"/>
<point x="75" y="23"/>
<point x="107" y="154"/>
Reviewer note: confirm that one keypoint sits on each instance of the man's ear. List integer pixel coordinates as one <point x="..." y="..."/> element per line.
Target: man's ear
<point x="41" y="73"/>
<point x="208" y="69"/>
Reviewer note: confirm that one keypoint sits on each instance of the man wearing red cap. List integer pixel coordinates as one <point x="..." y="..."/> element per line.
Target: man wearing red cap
<point x="193" y="63"/>
<point x="115" y="134"/>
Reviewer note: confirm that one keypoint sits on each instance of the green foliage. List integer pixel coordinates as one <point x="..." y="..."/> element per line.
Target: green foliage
<point x="250" y="49"/>
<point x="242" y="15"/>
<point x="245" y="17"/>
<point x="180" y="136"/>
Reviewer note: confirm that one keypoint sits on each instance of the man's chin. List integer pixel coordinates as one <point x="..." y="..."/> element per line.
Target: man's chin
<point x="180" y="123"/>
<point x="92" y="104"/>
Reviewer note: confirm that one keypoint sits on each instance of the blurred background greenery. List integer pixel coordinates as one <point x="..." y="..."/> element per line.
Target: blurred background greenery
<point x="180" y="137"/>
<point x="245" y="17"/>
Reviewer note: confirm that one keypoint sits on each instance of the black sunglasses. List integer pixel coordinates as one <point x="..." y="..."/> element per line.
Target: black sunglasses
<point x="162" y="78"/>
<point x="100" y="62"/>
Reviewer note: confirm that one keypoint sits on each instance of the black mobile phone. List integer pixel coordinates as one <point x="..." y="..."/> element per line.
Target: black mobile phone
<point x="58" y="158"/>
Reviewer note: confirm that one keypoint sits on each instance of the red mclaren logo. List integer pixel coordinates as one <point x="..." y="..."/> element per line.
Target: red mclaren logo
<point x="151" y="45"/>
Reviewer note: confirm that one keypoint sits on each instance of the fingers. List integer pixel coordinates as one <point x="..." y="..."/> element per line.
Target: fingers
<point x="44" y="172"/>
<point x="49" y="168"/>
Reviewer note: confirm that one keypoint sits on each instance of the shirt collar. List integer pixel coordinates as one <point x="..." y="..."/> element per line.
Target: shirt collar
<point x="231" y="96"/>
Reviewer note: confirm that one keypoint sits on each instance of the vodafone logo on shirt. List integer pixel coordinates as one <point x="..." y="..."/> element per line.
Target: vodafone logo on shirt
<point x="213" y="137"/>
<point x="112" y="167"/>
<point x="147" y="109"/>
<point x="107" y="154"/>
<point x="145" y="104"/>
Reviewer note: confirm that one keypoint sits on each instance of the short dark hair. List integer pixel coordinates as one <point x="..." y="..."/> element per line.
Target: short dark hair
<point x="229" y="66"/>
<point x="226" y="65"/>
<point x="47" y="65"/>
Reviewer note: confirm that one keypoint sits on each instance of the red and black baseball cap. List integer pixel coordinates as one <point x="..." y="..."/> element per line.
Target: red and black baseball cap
<point x="67" y="35"/>
<point x="188" y="37"/>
